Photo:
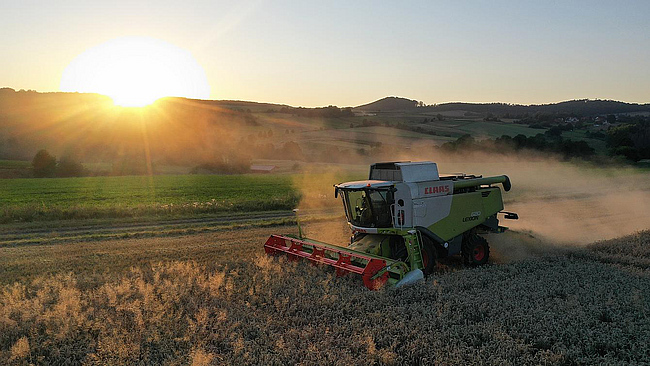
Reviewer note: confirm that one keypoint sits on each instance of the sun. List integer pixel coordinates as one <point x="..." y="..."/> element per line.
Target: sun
<point x="136" y="71"/>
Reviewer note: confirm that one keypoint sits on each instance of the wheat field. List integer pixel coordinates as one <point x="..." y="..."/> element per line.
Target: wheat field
<point x="217" y="299"/>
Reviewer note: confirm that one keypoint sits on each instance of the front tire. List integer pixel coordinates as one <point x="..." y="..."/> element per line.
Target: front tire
<point x="429" y="256"/>
<point x="475" y="250"/>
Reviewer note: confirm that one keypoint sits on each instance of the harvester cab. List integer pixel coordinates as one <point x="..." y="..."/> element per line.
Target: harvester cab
<point x="405" y="217"/>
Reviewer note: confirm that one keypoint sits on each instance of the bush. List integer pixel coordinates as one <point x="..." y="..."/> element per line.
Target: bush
<point x="69" y="167"/>
<point x="44" y="164"/>
<point x="231" y="165"/>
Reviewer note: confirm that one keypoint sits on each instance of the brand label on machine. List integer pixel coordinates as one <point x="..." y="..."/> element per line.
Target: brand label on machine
<point x="434" y="190"/>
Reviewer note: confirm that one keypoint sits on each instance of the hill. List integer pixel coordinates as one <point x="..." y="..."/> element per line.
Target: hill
<point x="90" y="128"/>
<point x="206" y="135"/>
<point x="180" y="132"/>
<point x="582" y="107"/>
<point x="388" y="104"/>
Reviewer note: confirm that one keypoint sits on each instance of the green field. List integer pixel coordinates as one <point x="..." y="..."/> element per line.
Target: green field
<point x="340" y="135"/>
<point x="599" y="145"/>
<point x="481" y="129"/>
<point x="14" y="169"/>
<point x="92" y="197"/>
<point x="14" y="164"/>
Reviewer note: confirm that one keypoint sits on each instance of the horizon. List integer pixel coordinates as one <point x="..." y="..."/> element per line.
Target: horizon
<point x="312" y="54"/>
<point x="345" y="106"/>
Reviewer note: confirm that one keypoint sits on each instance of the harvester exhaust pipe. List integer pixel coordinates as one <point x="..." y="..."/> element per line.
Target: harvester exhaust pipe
<point x="503" y="179"/>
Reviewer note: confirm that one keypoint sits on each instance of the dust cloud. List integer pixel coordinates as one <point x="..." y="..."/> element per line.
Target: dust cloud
<point x="574" y="205"/>
<point x="560" y="204"/>
<point x="316" y="187"/>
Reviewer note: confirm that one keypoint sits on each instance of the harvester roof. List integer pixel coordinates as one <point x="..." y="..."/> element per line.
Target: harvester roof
<point x="383" y="175"/>
<point x="404" y="171"/>
<point x="361" y="184"/>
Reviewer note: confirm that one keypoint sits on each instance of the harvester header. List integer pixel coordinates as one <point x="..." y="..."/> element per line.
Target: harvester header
<point x="405" y="217"/>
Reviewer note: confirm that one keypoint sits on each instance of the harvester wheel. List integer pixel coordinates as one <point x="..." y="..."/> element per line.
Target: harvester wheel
<point x="429" y="256"/>
<point x="476" y="250"/>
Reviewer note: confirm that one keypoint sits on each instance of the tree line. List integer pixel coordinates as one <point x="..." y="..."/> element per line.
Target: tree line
<point x="544" y="142"/>
<point x="326" y="112"/>
<point x="630" y="139"/>
<point x="45" y="165"/>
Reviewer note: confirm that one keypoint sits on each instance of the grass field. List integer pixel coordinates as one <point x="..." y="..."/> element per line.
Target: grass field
<point x="361" y="137"/>
<point x="215" y="298"/>
<point x="14" y="164"/>
<point x="480" y="129"/>
<point x="14" y="169"/>
<point x="599" y="145"/>
<point x="94" y="197"/>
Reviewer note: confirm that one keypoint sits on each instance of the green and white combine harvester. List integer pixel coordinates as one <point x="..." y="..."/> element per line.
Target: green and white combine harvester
<point x="403" y="218"/>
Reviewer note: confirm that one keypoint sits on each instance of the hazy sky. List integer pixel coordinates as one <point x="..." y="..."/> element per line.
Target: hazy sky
<point x="315" y="53"/>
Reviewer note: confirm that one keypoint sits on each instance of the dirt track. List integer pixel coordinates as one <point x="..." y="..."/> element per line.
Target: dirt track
<point x="69" y="231"/>
<point x="50" y="232"/>
<point x="89" y="257"/>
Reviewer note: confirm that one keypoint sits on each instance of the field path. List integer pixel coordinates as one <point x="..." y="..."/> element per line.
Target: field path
<point x="71" y="231"/>
<point x="89" y="258"/>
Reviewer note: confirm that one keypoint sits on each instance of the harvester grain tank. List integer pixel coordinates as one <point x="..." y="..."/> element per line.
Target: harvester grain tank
<point x="405" y="217"/>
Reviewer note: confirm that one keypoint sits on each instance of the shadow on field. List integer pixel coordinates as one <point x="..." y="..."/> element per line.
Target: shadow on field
<point x="507" y="247"/>
<point x="513" y="246"/>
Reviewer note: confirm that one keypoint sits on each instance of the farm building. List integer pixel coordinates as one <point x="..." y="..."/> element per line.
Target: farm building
<point x="262" y="169"/>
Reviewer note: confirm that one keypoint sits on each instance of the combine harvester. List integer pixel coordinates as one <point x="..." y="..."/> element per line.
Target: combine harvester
<point x="404" y="218"/>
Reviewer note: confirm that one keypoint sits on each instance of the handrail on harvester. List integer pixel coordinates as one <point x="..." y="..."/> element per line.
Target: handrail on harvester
<point x="345" y="261"/>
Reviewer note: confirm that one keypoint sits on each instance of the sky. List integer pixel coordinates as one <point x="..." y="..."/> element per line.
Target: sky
<point x="347" y="53"/>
